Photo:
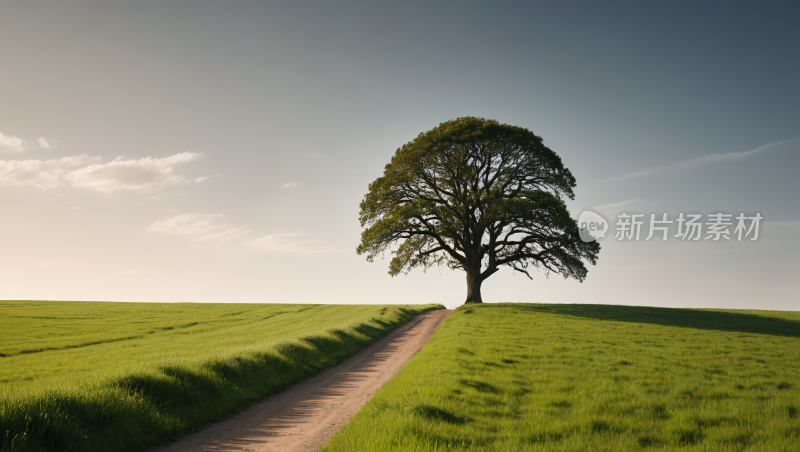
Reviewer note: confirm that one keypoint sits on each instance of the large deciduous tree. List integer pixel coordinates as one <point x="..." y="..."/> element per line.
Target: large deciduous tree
<point x="474" y="194"/>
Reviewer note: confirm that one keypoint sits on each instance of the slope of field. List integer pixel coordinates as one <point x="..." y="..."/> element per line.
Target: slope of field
<point x="517" y="377"/>
<point x="121" y="376"/>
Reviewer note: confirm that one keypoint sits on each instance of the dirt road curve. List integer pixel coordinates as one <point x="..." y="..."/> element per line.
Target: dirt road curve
<point x="304" y="416"/>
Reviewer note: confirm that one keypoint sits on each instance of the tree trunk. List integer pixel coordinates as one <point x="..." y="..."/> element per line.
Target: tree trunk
<point x="474" y="281"/>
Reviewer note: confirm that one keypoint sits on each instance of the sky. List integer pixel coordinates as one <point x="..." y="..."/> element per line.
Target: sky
<point x="218" y="151"/>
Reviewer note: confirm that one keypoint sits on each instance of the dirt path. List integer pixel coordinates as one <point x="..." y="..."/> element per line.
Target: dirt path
<point x="304" y="416"/>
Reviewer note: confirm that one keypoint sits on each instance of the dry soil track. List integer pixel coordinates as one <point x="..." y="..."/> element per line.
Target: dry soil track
<point x="304" y="416"/>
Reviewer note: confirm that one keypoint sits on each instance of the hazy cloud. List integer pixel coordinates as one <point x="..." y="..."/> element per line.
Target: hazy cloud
<point x="292" y="242"/>
<point x="201" y="227"/>
<point x="290" y="184"/>
<point x="609" y="209"/>
<point x="200" y="179"/>
<point x="699" y="161"/>
<point x="42" y="174"/>
<point x="87" y="172"/>
<point x="313" y="156"/>
<point x="139" y="174"/>
<point x="16" y="144"/>
<point x="43" y="143"/>
<point x="616" y="207"/>
<point x="212" y="227"/>
<point x="9" y="143"/>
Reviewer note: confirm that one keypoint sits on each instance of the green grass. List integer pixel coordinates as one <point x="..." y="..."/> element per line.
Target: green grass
<point x="517" y="377"/>
<point x="122" y="376"/>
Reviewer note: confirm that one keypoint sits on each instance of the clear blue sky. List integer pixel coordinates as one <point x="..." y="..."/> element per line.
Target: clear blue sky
<point x="192" y="151"/>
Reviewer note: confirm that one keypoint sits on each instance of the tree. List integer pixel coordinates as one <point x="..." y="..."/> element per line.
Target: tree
<point x="474" y="194"/>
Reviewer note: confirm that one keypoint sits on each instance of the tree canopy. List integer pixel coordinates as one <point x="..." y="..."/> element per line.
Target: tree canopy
<point x="475" y="195"/>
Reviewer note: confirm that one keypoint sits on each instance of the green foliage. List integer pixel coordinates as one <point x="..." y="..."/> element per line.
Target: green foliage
<point x="521" y="377"/>
<point x="474" y="194"/>
<point x="123" y="376"/>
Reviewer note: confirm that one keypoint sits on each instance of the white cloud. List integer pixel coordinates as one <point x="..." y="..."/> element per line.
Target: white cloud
<point x="700" y="161"/>
<point x="87" y="172"/>
<point x="292" y="242"/>
<point x="610" y="209"/>
<point x="124" y="174"/>
<point x="42" y="174"/>
<point x="204" y="178"/>
<point x="201" y="227"/>
<point x="616" y="207"/>
<point x="43" y="143"/>
<point x="9" y="143"/>
<point x="15" y="144"/>
<point x="290" y="184"/>
<point x="212" y="227"/>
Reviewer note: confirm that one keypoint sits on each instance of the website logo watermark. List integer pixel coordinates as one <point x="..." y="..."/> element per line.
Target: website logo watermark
<point x="718" y="226"/>
<point x="592" y="226"/>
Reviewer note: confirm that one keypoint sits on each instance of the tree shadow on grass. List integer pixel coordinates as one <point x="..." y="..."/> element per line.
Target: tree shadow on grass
<point x="685" y="318"/>
<point x="433" y="413"/>
<point x="480" y="386"/>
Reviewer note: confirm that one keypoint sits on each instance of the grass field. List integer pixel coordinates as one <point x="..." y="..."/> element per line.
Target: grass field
<point x="122" y="376"/>
<point x="582" y="377"/>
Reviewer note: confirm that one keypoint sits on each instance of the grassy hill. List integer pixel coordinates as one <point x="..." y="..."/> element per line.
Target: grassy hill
<point x="521" y="377"/>
<point x="121" y="376"/>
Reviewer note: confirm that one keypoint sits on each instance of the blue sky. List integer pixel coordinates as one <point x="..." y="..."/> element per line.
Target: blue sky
<point x="191" y="151"/>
